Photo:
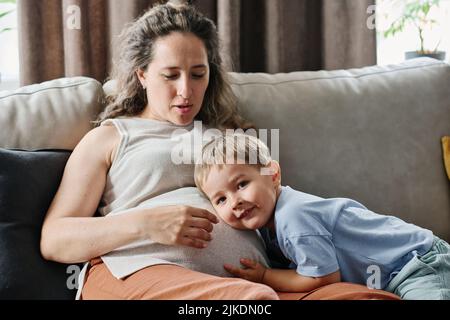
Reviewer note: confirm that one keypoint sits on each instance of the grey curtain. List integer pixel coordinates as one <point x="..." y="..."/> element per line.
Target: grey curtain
<point x="257" y="35"/>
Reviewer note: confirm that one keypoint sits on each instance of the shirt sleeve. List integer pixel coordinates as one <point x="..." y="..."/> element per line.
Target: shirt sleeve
<point x="314" y="256"/>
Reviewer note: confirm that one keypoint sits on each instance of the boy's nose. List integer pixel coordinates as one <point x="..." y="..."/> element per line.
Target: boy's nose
<point x="237" y="204"/>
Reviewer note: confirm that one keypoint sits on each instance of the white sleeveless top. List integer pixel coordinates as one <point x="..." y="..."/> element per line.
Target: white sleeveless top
<point x="146" y="173"/>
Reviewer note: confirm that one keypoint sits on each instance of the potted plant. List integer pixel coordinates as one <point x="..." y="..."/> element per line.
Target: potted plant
<point x="2" y="15"/>
<point x="417" y="14"/>
<point x="5" y="13"/>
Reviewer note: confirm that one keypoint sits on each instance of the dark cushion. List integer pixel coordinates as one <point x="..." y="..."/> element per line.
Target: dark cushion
<point x="28" y="182"/>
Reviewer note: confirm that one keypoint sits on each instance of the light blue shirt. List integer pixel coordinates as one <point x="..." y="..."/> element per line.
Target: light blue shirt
<point x="320" y="236"/>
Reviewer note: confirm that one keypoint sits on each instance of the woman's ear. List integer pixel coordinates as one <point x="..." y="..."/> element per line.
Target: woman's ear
<point x="141" y="76"/>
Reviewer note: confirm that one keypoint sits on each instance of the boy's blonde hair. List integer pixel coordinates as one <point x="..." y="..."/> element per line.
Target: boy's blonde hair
<point x="236" y="148"/>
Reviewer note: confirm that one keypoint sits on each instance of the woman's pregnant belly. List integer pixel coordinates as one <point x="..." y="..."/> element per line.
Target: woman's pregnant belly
<point x="227" y="246"/>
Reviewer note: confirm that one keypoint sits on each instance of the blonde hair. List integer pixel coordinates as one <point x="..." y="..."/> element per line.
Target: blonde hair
<point x="137" y="45"/>
<point x="236" y="148"/>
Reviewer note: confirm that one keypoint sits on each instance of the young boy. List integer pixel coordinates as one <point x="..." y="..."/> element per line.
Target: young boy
<point x="325" y="240"/>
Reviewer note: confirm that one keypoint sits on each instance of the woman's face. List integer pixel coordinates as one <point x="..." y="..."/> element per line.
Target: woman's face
<point x="177" y="78"/>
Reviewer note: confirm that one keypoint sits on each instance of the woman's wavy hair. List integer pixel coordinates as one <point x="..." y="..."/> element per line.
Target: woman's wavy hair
<point x="137" y="42"/>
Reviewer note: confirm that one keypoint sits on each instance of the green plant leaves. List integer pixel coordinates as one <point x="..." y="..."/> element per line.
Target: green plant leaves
<point x="2" y="14"/>
<point x="415" y="13"/>
<point x="5" y="13"/>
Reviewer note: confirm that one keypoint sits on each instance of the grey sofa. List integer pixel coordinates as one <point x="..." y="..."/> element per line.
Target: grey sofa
<point x="371" y="134"/>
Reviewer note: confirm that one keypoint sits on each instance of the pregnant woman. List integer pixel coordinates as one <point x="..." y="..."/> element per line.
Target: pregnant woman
<point x="155" y="236"/>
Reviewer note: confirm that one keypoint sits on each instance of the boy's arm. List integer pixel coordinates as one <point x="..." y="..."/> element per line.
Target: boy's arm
<point x="286" y="280"/>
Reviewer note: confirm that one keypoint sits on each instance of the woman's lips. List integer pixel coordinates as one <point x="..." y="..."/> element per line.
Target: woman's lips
<point x="184" y="108"/>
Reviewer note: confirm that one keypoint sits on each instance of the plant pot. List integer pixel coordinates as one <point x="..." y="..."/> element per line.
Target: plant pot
<point x="439" y="55"/>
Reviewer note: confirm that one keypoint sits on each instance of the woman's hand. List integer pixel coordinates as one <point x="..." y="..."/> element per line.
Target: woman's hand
<point x="179" y="225"/>
<point x="254" y="271"/>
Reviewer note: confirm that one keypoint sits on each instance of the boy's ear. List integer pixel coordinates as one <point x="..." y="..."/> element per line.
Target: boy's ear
<point x="276" y="171"/>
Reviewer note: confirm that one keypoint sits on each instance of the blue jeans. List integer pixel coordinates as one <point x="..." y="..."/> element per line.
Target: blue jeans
<point x="425" y="277"/>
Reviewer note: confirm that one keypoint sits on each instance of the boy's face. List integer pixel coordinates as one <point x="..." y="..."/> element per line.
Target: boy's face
<point x="241" y="196"/>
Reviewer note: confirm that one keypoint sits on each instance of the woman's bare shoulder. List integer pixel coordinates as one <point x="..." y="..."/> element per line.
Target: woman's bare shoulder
<point x="100" y="142"/>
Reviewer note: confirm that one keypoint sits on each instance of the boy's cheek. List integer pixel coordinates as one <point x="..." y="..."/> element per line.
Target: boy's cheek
<point x="228" y="218"/>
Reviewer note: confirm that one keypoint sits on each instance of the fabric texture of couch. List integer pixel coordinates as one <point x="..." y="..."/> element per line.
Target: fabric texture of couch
<point x="28" y="181"/>
<point x="372" y="134"/>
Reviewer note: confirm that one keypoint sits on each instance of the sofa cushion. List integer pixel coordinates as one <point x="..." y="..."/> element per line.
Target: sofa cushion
<point x="28" y="182"/>
<point x="371" y="134"/>
<point x="50" y="115"/>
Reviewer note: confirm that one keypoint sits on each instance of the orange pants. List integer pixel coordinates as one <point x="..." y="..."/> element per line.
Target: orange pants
<point x="170" y="282"/>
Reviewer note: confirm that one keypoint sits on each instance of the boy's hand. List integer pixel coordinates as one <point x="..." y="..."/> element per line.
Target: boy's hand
<point x="254" y="271"/>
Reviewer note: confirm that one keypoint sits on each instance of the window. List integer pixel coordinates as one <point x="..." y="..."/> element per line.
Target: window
<point x="9" y="48"/>
<point x="392" y="49"/>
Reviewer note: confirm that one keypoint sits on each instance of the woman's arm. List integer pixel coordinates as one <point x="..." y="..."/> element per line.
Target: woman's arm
<point x="286" y="280"/>
<point x="70" y="233"/>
